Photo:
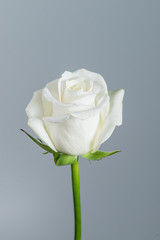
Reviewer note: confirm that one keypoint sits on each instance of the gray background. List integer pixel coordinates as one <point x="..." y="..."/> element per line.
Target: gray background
<point x="120" y="195"/>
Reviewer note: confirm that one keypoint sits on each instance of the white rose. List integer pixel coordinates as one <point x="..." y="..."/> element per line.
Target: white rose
<point x="75" y="114"/>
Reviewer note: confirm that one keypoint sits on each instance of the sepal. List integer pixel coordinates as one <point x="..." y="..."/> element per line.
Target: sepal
<point x="62" y="159"/>
<point x="98" y="155"/>
<point x="39" y="143"/>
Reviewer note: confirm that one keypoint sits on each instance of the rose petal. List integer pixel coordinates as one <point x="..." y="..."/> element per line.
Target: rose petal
<point x="78" y="97"/>
<point x="73" y="136"/>
<point x="59" y="108"/>
<point x="67" y="75"/>
<point x="57" y="118"/>
<point x="93" y="111"/>
<point x="37" y="126"/>
<point x="114" y="117"/>
<point x="53" y="87"/>
<point x="96" y="78"/>
<point x="34" y="108"/>
<point x="47" y="102"/>
<point x="116" y="98"/>
<point x="81" y="114"/>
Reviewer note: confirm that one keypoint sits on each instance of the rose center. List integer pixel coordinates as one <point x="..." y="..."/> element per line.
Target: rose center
<point x="82" y="85"/>
<point x="75" y="87"/>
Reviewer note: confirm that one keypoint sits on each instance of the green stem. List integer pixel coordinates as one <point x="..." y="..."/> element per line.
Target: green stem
<point x="76" y="200"/>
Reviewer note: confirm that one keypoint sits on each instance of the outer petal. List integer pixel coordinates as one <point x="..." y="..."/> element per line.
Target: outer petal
<point x="47" y="102"/>
<point x="114" y="117"/>
<point x="34" y="108"/>
<point x="93" y="111"/>
<point x="37" y="126"/>
<point x="53" y="87"/>
<point x="74" y="136"/>
<point x="116" y="99"/>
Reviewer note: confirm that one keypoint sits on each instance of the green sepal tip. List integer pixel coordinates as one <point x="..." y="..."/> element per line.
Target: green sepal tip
<point x="39" y="143"/>
<point x="98" y="155"/>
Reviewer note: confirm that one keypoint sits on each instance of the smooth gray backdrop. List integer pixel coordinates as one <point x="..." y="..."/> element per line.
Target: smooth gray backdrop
<point x="120" y="195"/>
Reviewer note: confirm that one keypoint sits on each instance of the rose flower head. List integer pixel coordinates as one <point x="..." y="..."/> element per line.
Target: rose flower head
<point x="76" y="113"/>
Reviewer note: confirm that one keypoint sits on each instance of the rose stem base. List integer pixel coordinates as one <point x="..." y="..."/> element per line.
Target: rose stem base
<point x="76" y="199"/>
